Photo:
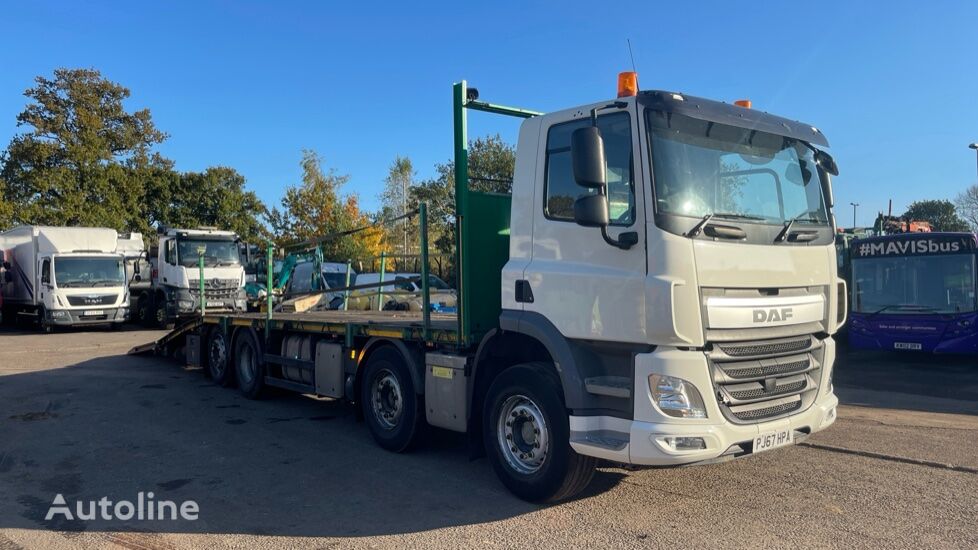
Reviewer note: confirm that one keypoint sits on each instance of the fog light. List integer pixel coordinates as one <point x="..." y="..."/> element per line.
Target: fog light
<point x="686" y="443"/>
<point x="676" y="397"/>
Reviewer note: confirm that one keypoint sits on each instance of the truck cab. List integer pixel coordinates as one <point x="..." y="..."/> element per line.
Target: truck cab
<point x="675" y="256"/>
<point x="175" y="290"/>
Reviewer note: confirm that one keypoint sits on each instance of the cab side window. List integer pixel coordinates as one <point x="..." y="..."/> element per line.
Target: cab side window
<point x="171" y="253"/>
<point x="562" y="190"/>
<point x="46" y="272"/>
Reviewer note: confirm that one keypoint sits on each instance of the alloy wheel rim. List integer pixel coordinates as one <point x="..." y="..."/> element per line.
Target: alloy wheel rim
<point x="522" y="434"/>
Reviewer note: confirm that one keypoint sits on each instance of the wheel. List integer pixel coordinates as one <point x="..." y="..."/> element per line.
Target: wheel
<point x="218" y="358"/>
<point x="42" y="324"/>
<point x="391" y="407"/>
<point x="248" y="365"/>
<point x="527" y="436"/>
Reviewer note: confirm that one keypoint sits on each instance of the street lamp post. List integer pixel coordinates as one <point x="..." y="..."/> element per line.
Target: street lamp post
<point x="854" y="205"/>
<point x="975" y="147"/>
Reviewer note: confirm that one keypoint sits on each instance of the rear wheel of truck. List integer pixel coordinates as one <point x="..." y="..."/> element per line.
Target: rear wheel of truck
<point x="219" y="358"/>
<point x="249" y="366"/>
<point x="391" y="407"/>
<point x="527" y="436"/>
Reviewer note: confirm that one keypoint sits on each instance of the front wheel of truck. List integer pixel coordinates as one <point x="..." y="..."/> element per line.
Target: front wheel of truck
<point x="526" y="433"/>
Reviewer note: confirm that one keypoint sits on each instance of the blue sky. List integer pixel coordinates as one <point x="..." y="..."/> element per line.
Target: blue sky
<point x="249" y="85"/>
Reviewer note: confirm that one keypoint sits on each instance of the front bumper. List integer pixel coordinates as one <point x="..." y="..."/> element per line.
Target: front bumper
<point x="641" y="441"/>
<point x="74" y="317"/>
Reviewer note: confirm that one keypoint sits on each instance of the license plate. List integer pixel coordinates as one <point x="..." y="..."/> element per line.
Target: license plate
<point x="93" y="312"/>
<point x="772" y="440"/>
<point x="906" y="345"/>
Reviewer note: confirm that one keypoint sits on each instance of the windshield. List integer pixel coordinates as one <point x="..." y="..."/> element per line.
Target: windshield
<point x="335" y="279"/>
<point x="216" y="253"/>
<point x="705" y="168"/>
<point x="89" y="272"/>
<point x="917" y="284"/>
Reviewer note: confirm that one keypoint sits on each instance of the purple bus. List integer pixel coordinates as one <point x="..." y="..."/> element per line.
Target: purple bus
<point x="914" y="291"/>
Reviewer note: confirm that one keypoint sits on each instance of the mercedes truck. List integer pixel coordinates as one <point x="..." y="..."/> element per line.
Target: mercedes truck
<point x="659" y="289"/>
<point x="192" y="270"/>
<point x="63" y="276"/>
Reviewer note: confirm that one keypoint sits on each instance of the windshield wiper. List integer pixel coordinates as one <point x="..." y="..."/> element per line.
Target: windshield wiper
<point x="804" y="216"/>
<point x="695" y="230"/>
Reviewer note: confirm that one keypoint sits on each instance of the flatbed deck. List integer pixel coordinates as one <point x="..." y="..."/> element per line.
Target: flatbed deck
<point x="407" y="325"/>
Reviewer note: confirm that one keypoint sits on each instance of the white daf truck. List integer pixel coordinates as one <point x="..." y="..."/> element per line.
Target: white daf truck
<point x="659" y="290"/>
<point x="174" y="290"/>
<point x="64" y="276"/>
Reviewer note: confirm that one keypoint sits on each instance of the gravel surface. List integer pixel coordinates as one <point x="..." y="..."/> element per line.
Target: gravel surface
<point x="80" y="418"/>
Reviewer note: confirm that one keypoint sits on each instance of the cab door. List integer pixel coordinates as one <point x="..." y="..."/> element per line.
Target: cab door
<point x="587" y="288"/>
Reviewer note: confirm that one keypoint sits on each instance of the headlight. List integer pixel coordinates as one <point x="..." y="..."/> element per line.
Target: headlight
<point x="184" y="304"/>
<point x="59" y="314"/>
<point x="676" y="397"/>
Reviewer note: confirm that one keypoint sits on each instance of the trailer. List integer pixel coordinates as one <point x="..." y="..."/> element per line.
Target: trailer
<point x="598" y="316"/>
<point x="64" y="276"/>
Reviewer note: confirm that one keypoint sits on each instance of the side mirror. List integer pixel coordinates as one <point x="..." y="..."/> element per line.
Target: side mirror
<point x="587" y="156"/>
<point x="826" y="169"/>
<point x="591" y="211"/>
<point x="135" y="267"/>
<point x="6" y="265"/>
<point x="137" y="277"/>
<point x="8" y="277"/>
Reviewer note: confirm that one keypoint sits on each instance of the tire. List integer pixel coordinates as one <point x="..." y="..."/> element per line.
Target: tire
<point x="217" y="354"/>
<point x="391" y="407"/>
<point x="248" y="365"/>
<point x="537" y="463"/>
<point x="43" y="325"/>
<point x="158" y="318"/>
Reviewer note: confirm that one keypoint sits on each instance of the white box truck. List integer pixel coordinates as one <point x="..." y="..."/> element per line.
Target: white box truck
<point x="64" y="276"/>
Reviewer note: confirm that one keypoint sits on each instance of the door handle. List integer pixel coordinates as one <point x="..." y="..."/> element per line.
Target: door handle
<point x="724" y="231"/>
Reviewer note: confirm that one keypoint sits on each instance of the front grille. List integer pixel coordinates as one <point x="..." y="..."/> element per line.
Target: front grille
<point x="101" y="300"/>
<point x="745" y="349"/>
<point x="768" y="370"/>
<point x="782" y="409"/>
<point x="765" y="379"/>
<point x="216" y="289"/>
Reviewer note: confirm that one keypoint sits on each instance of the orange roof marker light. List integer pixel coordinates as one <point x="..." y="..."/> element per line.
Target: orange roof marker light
<point x="745" y="103"/>
<point x="627" y="84"/>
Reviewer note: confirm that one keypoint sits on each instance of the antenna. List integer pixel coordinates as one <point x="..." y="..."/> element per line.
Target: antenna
<point x="630" y="54"/>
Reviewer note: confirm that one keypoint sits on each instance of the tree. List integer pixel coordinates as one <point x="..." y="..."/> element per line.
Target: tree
<point x="315" y="209"/>
<point x="940" y="213"/>
<point x="80" y="159"/>
<point x="6" y="209"/>
<point x="491" y="164"/>
<point x="967" y="204"/>
<point x="215" y="197"/>
<point x="394" y="199"/>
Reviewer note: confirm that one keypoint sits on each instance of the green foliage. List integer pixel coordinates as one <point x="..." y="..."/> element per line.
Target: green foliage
<point x="215" y="197"/>
<point x="84" y="160"/>
<point x="941" y="214"/>
<point x="315" y="209"/>
<point x="80" y="159"/>
<point x="967" y="205"/>
<point x="491" y="164"/>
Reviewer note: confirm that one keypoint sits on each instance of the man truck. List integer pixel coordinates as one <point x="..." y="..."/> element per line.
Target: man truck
<point x="660" y="289"/>
<point x="182" y="259"/>
<point x="63" y="276"/>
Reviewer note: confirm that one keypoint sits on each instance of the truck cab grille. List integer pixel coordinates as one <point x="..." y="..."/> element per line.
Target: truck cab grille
<point x="766" y="379"/>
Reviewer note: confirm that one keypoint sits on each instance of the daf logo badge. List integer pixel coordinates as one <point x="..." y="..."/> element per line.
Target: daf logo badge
<point x="773" y="315"/>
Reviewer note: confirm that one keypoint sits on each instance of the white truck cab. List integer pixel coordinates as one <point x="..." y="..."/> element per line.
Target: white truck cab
<point x="675" y="255"/>
<point x="64" y="276"/>
<point x="175" y="275"/>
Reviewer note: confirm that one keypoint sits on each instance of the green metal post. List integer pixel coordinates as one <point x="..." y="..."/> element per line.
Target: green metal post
<point x="461" y="207"/>
<point x="346" y="293"/>
<point x="269" y="285"/>
<point x="200" y="269"/>
<point x="380" y="289"/>
<point x="425" y="291"/>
